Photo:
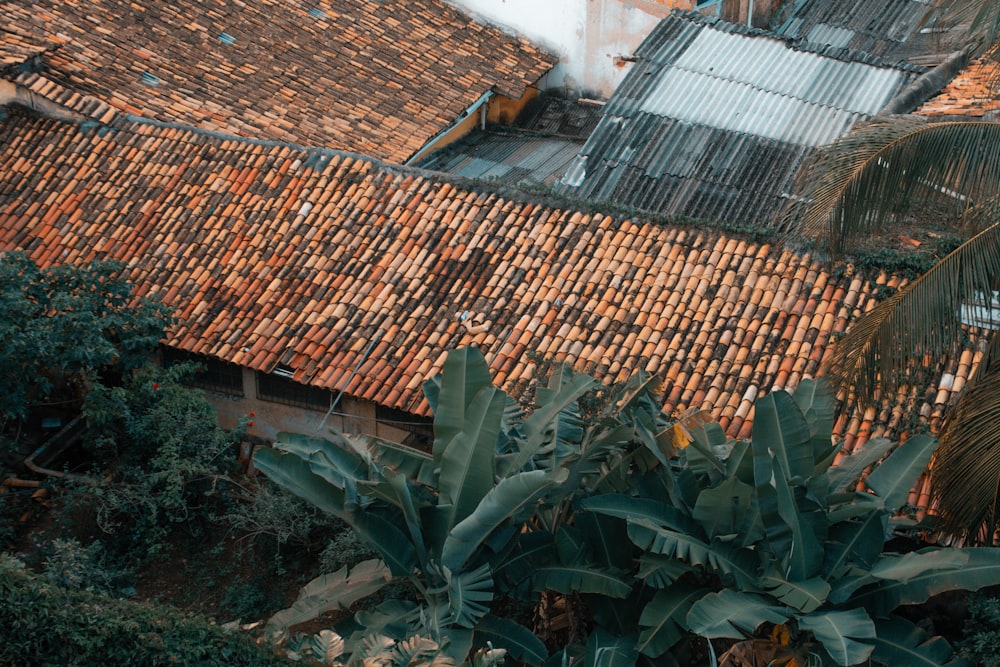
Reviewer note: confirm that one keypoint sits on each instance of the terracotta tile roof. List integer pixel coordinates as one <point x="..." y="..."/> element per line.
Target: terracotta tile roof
<point x="17" y="48"/>
<point x="379" y="78"/>
<point x="969" y="94"/>
<point x="273" y="254"/>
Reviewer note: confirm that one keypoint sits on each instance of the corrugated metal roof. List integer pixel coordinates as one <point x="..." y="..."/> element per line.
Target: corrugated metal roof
<point x="888" y="29"/>
<point x="538" y="149"/>
<point x="507" y="157"/>
<point x="714" y="120"/>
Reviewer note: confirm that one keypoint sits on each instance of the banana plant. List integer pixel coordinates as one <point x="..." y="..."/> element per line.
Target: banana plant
<point x="435" y="519"/>
<point x="736" y="538"/>
<point x="455" y="522"/>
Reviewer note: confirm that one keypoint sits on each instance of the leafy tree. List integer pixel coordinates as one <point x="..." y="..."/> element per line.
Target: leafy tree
<point x="164" y="459"/>
<point x="62" y="327"/>
<point x="872" y="179"/>
<point x="45" y="624"/>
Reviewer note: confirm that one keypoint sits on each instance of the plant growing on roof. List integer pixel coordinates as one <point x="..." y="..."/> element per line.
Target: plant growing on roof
<point x="455" y="522"/>
<point x="739" y="537"/>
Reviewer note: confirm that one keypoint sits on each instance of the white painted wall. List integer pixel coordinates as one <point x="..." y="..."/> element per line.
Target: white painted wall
<point x="590" y="37"/>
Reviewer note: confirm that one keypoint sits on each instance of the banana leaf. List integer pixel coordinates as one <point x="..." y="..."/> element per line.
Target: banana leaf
<point x="469" y="592"/>
<point x="335" y="453"/>
<point x="982" y="569"/>
<point x="722" y="510"/>
<point x="856" y="543"/>
<point x="509" y="499"/>
<point x="808" y="524"/>
<point x="900" y="642"/>
<point x="664" y="618"/>
<point x="733" y="614"/>
<point x="395" y="490"/>
<point x="740" y="566"/>
<point x="467" y="458"/>
<point x="294" y="474"/>
<point x="803" y="595"/>
<point x="336" y="590"/>
<point x="779" y="426"/>
<point x="607" y="537"/>
<point x="607" y="650"/>
<point x="517" y="564"/>
<point x="893" y="479"/>
<point x="839" y="631"/>
<point x="520" y="642"/>
<point x="660" y="571"/>
<point x="556" y="418"/>
<point x="845" y="475"/>
<point x="385" y="537"/>
<point x="583" y="578"/>
<point x="907" y="566"/>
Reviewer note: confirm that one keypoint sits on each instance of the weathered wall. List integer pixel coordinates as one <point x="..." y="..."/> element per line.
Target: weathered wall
<point x="591" y="37"/>
<point x="497" y="109"/>
<point x="271" y="418"/>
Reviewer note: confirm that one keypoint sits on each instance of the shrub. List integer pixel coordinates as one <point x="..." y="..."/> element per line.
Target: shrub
<point x="167" y="458"/>
<point x="69" y="564"/>
<point x="48" y="625"/>
<point x="982" y="632"/>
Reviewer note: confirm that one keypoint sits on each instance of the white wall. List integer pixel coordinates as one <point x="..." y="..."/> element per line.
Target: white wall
<point x="590" y="37"/>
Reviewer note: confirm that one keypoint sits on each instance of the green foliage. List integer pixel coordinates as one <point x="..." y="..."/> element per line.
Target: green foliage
<point x="344" y="550"/>
<point x="165" y="457"/>
<point x="71" y="565"/>
<point x="268" y="511"/>
<point x="661" y="530"/>
<point x="487" y="513"/>
<point x="48" y="625"/>
<point x="787" y="538"/>
<point x="244" y="600"/>
<point x="981" y="635"/>
<point x="60" y="327"/>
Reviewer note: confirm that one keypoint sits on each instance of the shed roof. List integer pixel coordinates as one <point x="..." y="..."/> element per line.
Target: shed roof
<point x="536" y="149"/>
<point x="380" y="78"/>
<point x="714" y="120"/>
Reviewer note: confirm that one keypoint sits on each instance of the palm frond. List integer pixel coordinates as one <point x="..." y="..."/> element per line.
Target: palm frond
<point x="861" y="182"/>
<point x="966" y="476"/>
<point x="980" y="17"/>
<point x="882" y="349"/>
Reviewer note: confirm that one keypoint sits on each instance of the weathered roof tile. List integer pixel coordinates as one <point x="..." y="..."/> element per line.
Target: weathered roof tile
<point x="372" y="77"/>
<point x="257" y="278"/>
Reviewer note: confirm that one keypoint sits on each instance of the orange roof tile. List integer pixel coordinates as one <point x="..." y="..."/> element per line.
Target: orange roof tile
<point x="292" y="269"/>
<point x="379" y="78"/>
<point x="969" y="94"/>
<point x="18" y="49"/>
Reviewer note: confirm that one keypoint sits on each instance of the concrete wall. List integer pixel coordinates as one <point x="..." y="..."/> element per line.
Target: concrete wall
<point x="358" y="416"/>
<point x="593" y="38"/>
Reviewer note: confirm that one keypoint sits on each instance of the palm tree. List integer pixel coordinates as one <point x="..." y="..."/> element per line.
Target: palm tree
<point x="870" y="180"/>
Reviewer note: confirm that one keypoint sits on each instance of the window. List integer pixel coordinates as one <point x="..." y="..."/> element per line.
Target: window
<point x="278" y="387"/>
<point x="213" y="374"/>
